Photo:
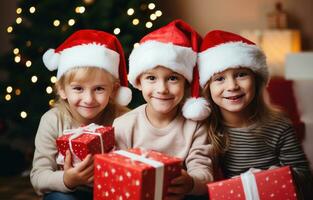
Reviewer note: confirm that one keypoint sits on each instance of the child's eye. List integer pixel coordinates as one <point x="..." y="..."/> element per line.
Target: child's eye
<point x="173" y="78"/>
<point x="241" y="74"/>
<point x="77" y="88"/>
<point x="218" y="78"/>
<point x="150" y="78"/>
<point x="100" y="89"/>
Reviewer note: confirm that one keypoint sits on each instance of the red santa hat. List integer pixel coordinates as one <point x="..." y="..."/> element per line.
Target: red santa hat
<point x="174" y="46"/>
<point x="91" y="48"/>
<point x="221" y="50"/>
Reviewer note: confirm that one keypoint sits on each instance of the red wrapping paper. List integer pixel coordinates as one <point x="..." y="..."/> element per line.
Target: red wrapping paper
<point x="119" y="177"/>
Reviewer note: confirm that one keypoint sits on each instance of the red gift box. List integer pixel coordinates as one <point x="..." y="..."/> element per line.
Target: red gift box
<point x="134" y="175"/>
<point x="269" y="184"/>
<point x="91" y="139"/>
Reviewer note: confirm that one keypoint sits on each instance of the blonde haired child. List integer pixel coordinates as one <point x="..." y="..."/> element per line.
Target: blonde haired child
<point x="161" y="67"/>
<point x="92" y="88"/>
<point x="248" y="131"/>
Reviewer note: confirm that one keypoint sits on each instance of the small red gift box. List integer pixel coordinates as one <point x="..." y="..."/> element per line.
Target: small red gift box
<point x="85" y="140"/>
<point x="134" y="175"/>
<point x="269" y="184"/>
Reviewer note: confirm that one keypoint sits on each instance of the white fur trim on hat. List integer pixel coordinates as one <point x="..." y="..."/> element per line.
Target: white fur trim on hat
<point x="91" y="55"/>
<point x="152" y="53"/>
<point x="51" y="59"/>
<point x="231" y="55"/>
<point x="196" y="109"/>
<point x="123" y="96"/>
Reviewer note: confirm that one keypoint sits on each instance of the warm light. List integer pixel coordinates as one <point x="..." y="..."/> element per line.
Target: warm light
<point x="34" y="79"/>
<point x="18" y="10"/>
<point x="49" y="90"/>
<point x="135" y="21"/>
<point x="80" y="9"/>
<point x="149" y="24"/>
<point x="53" y="79"/>
<point x="136" y="45"/>
<point x="158" y="13"/>
<point x="10" y="29"/>
<point x="153" y="16"/>
<point x="51" y="102"/>
<point x="71" y="22"/>
<point x="151" y="6"/>
<point x="17" y="59"/>
<point x="18" y="20"/>
<point x="116" y="31"/>
<point x="130" y="11"/>
<point x="9" y="89"/>
<point x="32" y="9"/>
<point x="28" y="43"/>
<point x="18" y="92"/>
<point x="7" y="97"/>
<point x="56" y="22"/>
<point x="28" y="63"/>
<point x="23" y="114"/>
<point x="16" y="51"/>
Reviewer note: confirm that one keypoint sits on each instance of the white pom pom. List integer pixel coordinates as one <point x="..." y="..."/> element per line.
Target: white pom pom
<point x="196" y="109"/>
<point x="51" y="59"/>
<point x="123" y="96"/>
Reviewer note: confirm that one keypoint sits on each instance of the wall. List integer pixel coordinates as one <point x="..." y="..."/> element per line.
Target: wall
<point x="236" y="15"/>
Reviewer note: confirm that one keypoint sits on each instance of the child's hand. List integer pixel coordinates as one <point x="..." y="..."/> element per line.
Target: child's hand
<point x="82" y="174"/>
<point x="180" y="186"/>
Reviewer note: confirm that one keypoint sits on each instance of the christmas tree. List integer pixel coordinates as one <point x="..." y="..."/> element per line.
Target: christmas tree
<point x="26" y="85"/>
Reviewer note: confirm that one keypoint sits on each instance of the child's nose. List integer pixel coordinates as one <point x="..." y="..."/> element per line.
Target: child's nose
<point x="162" y="87"/>
<point x="88" y="97"/>
<point x="232" y="84"/>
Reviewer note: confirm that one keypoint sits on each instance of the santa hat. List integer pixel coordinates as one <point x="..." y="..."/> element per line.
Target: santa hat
<point x="91" y="48"/>
<point x="174" y="46"/>
<point x="221" y="50"/>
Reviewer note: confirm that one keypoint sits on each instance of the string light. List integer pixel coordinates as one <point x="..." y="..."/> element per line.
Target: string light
<point x="18" y="11"/>
<point x="28" y="63"/>
<point x="130" y="11"/>
<point x="34" y="79"/>
<point x="18" y="92"/>
<point x="151" y="6"/>
<point x="158" y="13"/>
<point x="10" y="29"/>
<point x="149" y="24"/>
<point x="135" y="21"/>
<point x="23" y="114"/>
<point x="51" y="102"/>
<point x="32" y="9"/>
<point x="16" y="51"/>
<point x="56" y="22"/>
<point x="28" y="43"/>
<point x="18" y="20"/>
<point x="9" y="89"/>
<point x="49" y="90"/>
<point x="7" y="97"/>
<point x="153" y="17"/>
<point x="53" y="79"/>
<point x="17" y="59"/>
<point x="71" y="22"/>
<point x="80" y="9"/>
<point x="116" y="31"/>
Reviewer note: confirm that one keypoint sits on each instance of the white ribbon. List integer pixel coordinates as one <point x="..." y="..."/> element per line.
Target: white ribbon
<point x="159" y="170"/>
<point x="90" y="129"/>
<point x="250" y="187"/>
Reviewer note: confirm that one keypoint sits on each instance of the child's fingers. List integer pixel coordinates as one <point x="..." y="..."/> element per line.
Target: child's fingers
<point x="85" y="163"/>
<point x="68" y="160"/>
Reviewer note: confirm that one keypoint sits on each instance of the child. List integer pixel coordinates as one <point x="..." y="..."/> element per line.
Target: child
<point x="89" y="64"/>
<point x="162" y="67"/>
<point x="233" y="73"/>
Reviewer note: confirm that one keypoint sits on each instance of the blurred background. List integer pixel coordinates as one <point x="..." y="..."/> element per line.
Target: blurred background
<point x="282" y="28"/>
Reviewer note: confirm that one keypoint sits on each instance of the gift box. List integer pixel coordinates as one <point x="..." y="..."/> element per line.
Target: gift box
<point x="275" y="184"/>
<point x="134" y="174"/>
<point x="91" y="139"/>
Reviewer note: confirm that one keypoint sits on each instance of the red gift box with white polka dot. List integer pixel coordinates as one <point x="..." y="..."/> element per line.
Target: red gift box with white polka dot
<point x="87" y="143"/>
<point x="271" y="184"/>
<point x="120" y="177"/>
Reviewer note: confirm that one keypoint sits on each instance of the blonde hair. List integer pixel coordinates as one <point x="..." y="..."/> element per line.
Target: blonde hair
<point x="80" y="74"/>
<point x="262" y="112"/>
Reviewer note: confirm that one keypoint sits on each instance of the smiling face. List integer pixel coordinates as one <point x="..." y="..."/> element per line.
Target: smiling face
<point x="233" y="90"/>
<point x="88" y="97"/>
<point x="162" y="89"/>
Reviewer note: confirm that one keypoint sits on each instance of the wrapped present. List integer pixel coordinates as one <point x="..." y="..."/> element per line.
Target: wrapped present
<point x="85" y="140"/>
<point x="269" y="184"/>
<point x="134" y="174"/>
